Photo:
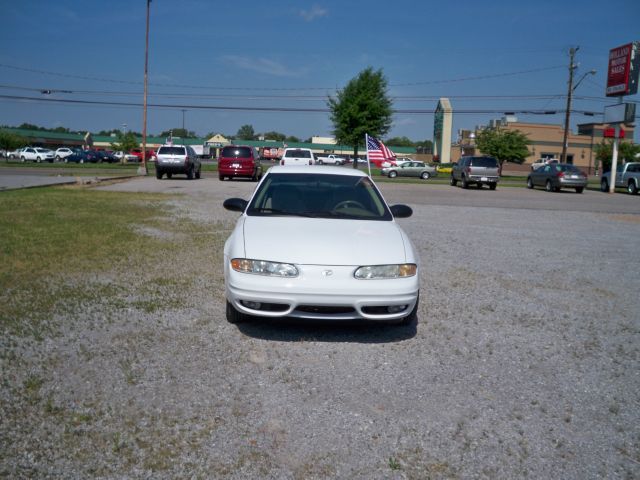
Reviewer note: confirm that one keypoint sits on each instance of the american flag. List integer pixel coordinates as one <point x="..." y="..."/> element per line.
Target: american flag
<point x="377" y="151"/>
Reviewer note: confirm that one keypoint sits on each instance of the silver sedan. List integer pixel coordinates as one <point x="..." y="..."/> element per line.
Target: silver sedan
<point x="411" y="169"/>
<point x="555" y="176"/>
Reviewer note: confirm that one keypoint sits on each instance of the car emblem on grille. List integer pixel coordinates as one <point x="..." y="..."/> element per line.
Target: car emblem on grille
<point x="327" y="273"/>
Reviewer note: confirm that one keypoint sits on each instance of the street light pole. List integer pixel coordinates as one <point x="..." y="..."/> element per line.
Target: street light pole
<point x="142" y="170"/>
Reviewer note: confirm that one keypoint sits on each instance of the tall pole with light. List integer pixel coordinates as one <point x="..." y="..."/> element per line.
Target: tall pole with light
<point x="142" y="170"/>
<point x="567" y="116"/>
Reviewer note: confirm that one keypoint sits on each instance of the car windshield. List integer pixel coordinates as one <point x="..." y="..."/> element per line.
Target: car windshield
<point x="236" y="152"/>
<point x="566" y="168"/>
<point x="486" y="162"/>
<point x="298" y="153"/>
<point x="319" y="196"/>
<point x="171" y="151"/>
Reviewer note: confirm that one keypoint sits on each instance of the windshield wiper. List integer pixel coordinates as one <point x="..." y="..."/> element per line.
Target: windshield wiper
<point x="276" y="211"/>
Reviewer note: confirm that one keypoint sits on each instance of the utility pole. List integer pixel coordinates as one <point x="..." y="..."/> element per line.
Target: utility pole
<point x="183" y="110"/>
<point x="567" y="116"/>
<point x="142" y="170"/>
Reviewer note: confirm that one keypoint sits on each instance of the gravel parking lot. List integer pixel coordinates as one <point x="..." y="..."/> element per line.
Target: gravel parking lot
<point x="525" y="361"/>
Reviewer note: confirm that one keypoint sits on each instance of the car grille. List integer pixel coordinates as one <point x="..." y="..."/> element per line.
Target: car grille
<point x="324" y="309"/>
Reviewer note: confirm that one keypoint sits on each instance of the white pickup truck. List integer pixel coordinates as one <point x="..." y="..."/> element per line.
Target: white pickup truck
<point x="627" y="176"/>
<point x="543" y="161"/>
<point x="331" y="160"/>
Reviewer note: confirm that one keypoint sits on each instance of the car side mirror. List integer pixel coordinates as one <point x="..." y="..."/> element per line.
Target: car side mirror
<point x="235" y="204"/>
<point x="401" y="211"/>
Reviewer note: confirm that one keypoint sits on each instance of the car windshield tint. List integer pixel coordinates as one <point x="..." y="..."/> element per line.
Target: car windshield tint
<point x="298" y="153"/>
<point x="486" y="162"/>
<point x="236" y="152"/>
<point x="171" y="151"/>
<point x="319" y="196"/>
<point x="567" y="168"/>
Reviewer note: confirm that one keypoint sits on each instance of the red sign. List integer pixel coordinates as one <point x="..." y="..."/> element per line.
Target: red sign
<point x="621" y="79"/>
<point x="611" y="133"/>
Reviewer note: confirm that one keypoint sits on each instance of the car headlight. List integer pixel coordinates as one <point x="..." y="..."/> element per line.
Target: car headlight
<point x="264" y="267"/>
<point x="375" y="272"/>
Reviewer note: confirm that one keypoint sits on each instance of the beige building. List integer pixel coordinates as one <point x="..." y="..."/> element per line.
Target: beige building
<point x="546" y="141"/>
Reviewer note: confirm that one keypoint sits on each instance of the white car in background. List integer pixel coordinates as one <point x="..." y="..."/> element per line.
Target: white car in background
<point x="281" y="259"/>
<point x="396" y="163"/>
<point x="62" y="153"/>
<point x="128" y="157"/>
<point x="36" y="154"/>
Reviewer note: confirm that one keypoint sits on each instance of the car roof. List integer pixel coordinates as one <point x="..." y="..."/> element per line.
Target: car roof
<point x="323" y="170"/>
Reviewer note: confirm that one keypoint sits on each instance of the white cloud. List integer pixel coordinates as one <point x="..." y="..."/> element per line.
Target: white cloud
<point x="316" y="12"/>
<point x="263" y="65"/>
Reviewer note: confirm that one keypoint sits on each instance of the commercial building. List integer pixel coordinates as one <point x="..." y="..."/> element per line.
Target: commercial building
<point x="546" y="142"/>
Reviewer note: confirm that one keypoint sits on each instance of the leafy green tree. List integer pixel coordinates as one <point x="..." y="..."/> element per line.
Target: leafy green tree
<point x="277" y="136"/>
<point x="361" y="107"/>
<point x="107" y="133"/>
<point x="604" y="153"/>
<point x="125" y="143"/>
<point x="503" y="144"/>
<point x="179" y="132"/>
<point x="292" y="139"/>
<point x="10" y="141"/>
<point x="400" y="142"/>
<point x="30" y="126"/>
<point x="246" y="132"/>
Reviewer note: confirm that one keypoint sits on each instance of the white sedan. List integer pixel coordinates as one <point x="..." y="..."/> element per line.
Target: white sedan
<point x="319" y="244"/>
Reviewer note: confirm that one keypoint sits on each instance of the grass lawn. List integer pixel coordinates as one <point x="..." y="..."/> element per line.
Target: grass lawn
<point x="65" y="247"/>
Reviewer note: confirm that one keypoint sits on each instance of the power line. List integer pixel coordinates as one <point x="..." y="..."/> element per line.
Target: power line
<point x="213" y="87"/>
<point x="280" y="109"/>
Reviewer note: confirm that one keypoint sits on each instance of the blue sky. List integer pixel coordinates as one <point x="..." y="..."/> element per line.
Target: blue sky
<point x="498" y="55"/>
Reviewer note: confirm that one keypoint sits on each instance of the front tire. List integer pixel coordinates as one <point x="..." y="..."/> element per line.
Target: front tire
<point x="579" y="189"/>
<point x="493" y="186"/>
<point x="465" y="184"/>
<point x="452" y="181"/>
<point x="393" y="174"/>
<point x="529" y="183"/>
<point x="425" y="176"/>
<point x="158" y="174"/>
<point x="632" y="188"/>
<point x="234" y="316"/>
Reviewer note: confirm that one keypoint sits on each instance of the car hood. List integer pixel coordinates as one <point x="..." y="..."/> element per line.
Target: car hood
<point x="323" y="241"/>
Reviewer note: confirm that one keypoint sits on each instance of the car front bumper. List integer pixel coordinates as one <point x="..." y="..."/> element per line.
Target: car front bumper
<point x="323" y="293"/>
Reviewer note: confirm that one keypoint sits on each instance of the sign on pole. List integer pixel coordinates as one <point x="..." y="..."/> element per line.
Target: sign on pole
<point x="624" y="67"/>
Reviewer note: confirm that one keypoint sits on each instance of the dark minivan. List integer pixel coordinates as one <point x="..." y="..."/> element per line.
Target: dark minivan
<point x="478" y="170"/>
<point x="239" y="161"/>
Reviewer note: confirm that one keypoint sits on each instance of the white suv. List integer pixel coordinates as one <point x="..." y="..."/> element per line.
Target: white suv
<point x="36" y="154"/>
<point x="62" y="153"/>
<point x="297" y="156"/>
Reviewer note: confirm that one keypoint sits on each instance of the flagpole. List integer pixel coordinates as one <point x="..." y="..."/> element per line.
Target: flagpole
<point x="366" y="145"/>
